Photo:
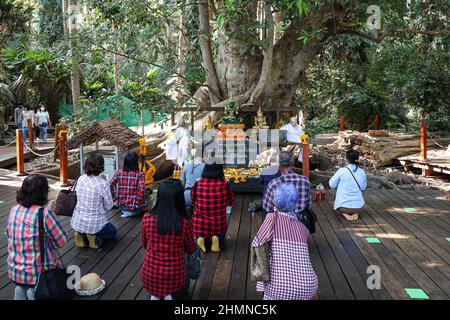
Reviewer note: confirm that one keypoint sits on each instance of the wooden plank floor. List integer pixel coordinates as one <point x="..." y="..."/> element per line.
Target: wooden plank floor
<point x="413" y="253"/>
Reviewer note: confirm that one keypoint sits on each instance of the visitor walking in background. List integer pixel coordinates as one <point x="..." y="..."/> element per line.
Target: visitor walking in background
<point x="167" y="234"/>
<point x="24" y="255"/>
<point x="192" y="171"/>
<point x="350" y="182"/>
<point x="26" y="114"/>
<point x="36" y="123"/>
<point x="210" y="197"/>
<point x="18" y="116"/>
<point x="44" y="122"/>
<point x="128" y="187"/>
<point x="94" y="201"/>
<point x="292" y="276"/>
<point x="302" y="184"/>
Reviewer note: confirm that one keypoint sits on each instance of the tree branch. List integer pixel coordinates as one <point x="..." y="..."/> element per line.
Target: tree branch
<point x="205" y="46"/>
<point x="268" y="54"/>
<point x="391" y="33"/>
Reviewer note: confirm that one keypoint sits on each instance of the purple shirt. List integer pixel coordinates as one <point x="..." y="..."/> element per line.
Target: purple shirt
<point x="302" y="185"/>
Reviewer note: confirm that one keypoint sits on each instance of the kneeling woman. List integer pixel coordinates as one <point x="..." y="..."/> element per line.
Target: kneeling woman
<point x="167" y="234"/>
<point x="94" y="201"/>
<point x="128" y="187"/>
<point x="292" y="276"/>
<point x="210" y="196"/>
<point x="350" y="182"/>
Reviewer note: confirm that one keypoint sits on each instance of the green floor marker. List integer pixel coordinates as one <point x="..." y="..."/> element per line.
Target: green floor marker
<point x="409" y="209"/>
<point x="416" y="293"/>
<point x="373" y="240"/>
<point x="1" y="201"/>
<point x="448" y="239"/>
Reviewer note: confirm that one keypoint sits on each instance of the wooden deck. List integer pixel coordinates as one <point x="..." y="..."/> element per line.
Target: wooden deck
<point x="413" y="253"/>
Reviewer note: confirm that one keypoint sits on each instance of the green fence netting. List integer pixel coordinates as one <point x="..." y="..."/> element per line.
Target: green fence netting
<point x="123" y="110"/>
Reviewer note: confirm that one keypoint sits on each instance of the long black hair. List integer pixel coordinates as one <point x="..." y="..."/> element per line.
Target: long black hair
<point x="353" y="157"/>
<point x="34" y="191"/>
<point x="213" y="171"/>
<point x="170" y="207"/>
<point x="131" y="162"/>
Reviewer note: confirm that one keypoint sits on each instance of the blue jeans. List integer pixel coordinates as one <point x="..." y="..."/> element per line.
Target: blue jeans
<point x="108" y="232"/>
<point x="43" y="127"/>
<point x="24" y="134"/>
<point x="23" y="292"/>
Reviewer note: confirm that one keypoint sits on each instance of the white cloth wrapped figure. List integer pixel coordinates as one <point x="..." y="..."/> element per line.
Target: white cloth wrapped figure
<point x="171" y="147"/>
<point x="294" y="131"/>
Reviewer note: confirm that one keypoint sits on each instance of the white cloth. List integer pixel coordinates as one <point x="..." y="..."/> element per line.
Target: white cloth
<point x="25" y="116"/>
<point x="293" y="133"/>
<point x="171" y="148"/>
<point x="183" y="152"/>
<point x="348" y="194"/>
<point x="43" y="117"/>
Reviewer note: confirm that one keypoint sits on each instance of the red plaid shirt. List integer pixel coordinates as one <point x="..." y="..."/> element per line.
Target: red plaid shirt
<point x="210" y="198"/>
<point x="128" y="188"/>
<point x="164" y="269"/>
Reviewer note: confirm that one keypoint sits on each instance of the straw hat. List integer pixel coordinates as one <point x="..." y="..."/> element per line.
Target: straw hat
<point x="89" y="285"/>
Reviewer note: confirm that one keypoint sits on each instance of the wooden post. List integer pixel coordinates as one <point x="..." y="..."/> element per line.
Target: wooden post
<point x="173" y="118"/>
<point x="192" y="120"/>
<point x="377" y="122"/>
<point x="30" y="133"/>
<point x="305" y="155"/>
<point x="153" y="117"/>
<point x="423" y="141"/>
<point x="342" y="124"/>
<point x="19" y="153"/>
<point x="63" y="159"/>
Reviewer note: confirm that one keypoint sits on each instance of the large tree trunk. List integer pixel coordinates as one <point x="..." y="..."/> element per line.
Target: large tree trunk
<point x="269" y="75"/>
<point x="71" y="8"/>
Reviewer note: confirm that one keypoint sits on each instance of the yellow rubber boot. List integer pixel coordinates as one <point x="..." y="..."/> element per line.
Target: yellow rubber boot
<point x="215" y="246"/>
<point x="92" y="243"/>
<point x="79" y="240"/>
<point x="201" y="244"/>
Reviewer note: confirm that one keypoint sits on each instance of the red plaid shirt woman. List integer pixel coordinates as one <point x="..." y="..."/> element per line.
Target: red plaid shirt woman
<point x="164" y="270"/>
<point x="128" y="189"/>
<point x="210" y="198"/>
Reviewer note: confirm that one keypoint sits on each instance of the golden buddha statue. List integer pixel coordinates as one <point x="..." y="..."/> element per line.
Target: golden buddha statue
<point x="208" y="124"/>
<point x="260" y="120"/>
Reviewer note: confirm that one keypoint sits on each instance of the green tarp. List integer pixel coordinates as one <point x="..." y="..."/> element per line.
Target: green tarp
<point x="128" y="116"/>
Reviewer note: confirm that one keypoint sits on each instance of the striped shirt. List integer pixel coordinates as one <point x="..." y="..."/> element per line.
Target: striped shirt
<point x="94" y="200"/>
<point x="291" y="273"/>
<point x="24" y="257"/>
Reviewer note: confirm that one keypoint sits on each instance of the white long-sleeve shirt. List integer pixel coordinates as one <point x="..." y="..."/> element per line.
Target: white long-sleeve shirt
<point x="348" y="194"/>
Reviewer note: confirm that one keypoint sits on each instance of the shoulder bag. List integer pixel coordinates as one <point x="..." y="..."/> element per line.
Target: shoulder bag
<point x="51" y="284"/>
<point x="66" y="201"/>
<point x="355" y="179"/>
<point x="260" y="257"/>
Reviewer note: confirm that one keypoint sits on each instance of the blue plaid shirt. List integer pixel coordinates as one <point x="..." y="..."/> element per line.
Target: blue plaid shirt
<point x="302" y="184"/>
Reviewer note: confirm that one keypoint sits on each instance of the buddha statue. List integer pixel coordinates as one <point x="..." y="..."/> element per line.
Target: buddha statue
<point x="208" y="124"/>
<point x="231" y="114"/>
<point x="260" y="120"/>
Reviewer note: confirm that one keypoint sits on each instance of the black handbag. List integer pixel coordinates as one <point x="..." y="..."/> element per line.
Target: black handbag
<point x="66" y="201"/>
<point x="309" y="219"/>
<point x="194" y="264"/>
<point x="52" y="283"/>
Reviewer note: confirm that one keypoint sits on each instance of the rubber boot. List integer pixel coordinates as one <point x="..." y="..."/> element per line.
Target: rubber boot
<point x="201" y="244"/>
<point x="215" y="246"/>
<point x="92" y="238"/>
<point x="79" y="240"/>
